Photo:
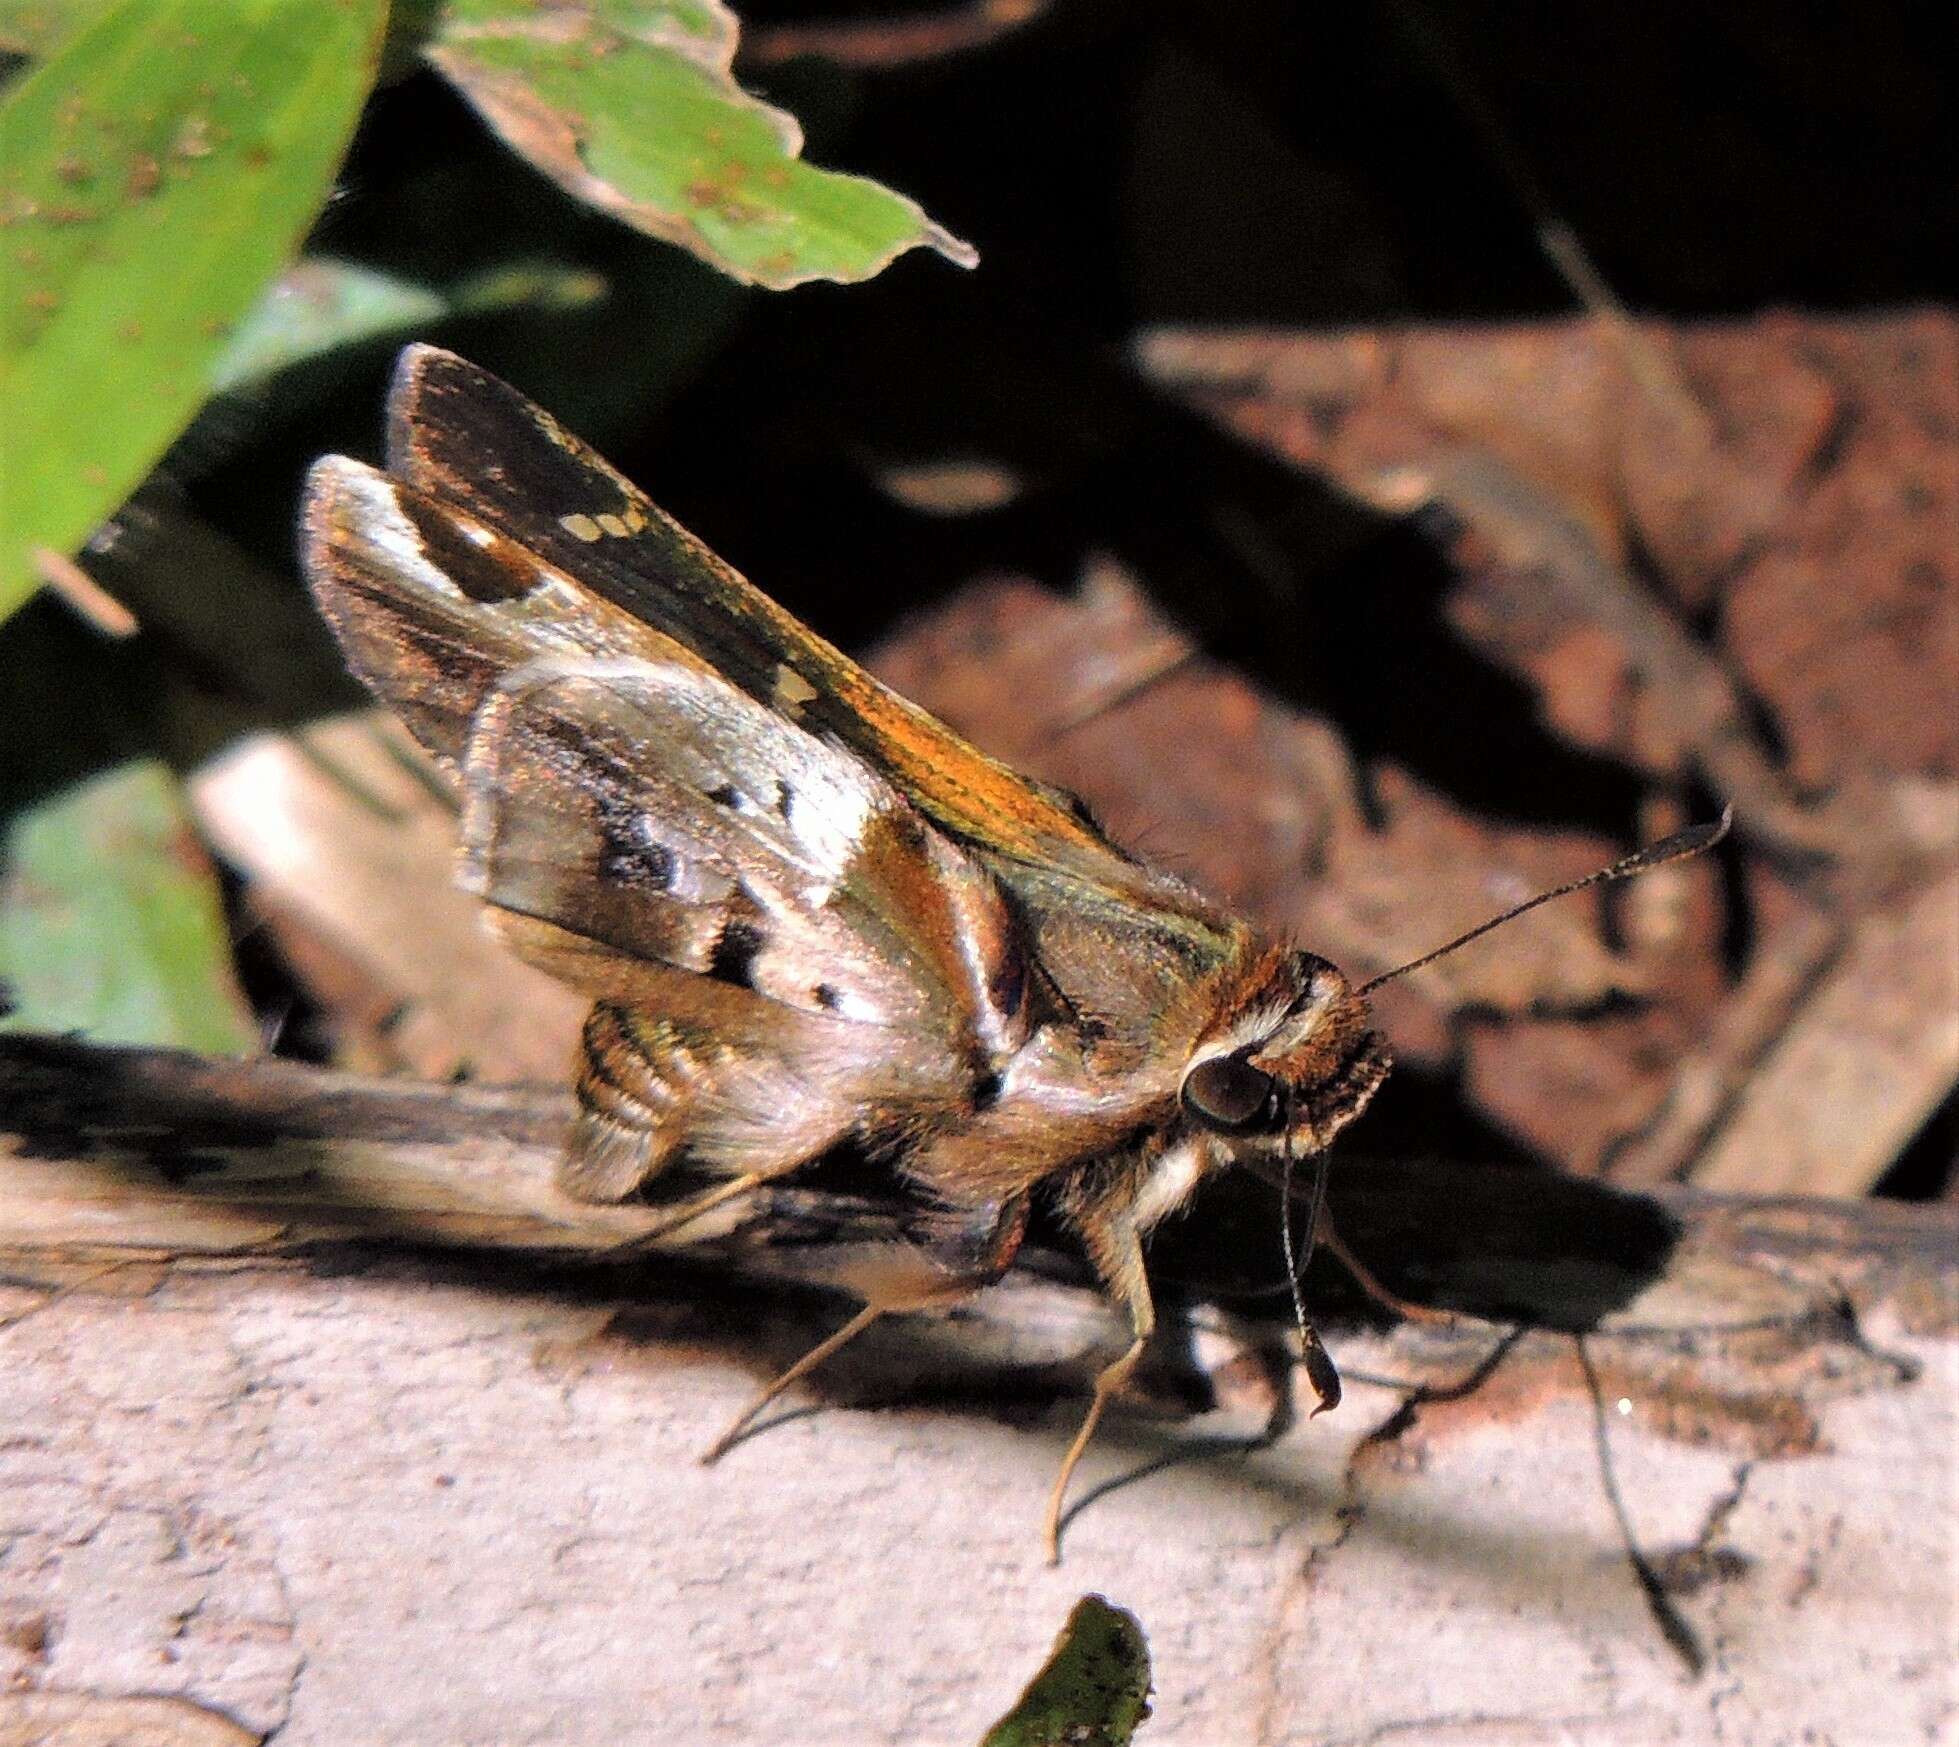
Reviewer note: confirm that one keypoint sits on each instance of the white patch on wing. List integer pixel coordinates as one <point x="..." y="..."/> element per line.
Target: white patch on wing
<point x="556" y="611"/>
<point x="830" y="804"/>
<point x="847" y="1004"/>
<point x="791" y="691"/>
<point x="809" y="796"/>
<point x="383" y="524"/>
<point x="665" y="812"/>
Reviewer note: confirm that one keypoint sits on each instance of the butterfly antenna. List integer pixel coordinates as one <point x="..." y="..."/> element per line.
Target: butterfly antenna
<point x="1695" y="840"/>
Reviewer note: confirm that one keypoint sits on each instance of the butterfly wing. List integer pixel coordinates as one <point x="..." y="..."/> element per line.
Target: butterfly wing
<point x="433" y="606"/>
<point x="1117" y="939"/>
<point x="653" y="809"/>
<point x="783" y="948"/>
<point x="464" y="435"/>
<point x="617" y="786"/>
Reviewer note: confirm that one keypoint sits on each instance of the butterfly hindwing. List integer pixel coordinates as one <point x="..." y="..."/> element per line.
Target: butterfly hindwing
<point x="655" y="810"/>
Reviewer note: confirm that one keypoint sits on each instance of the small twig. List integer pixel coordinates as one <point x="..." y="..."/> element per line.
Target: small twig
<point x="1780" y="976"/>
<point x="64" y="577"/>
<point x="1650" y="368"/>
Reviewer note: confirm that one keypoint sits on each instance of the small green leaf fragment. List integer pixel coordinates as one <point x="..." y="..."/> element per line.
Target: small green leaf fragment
<point x="319" y="305"/>
<point x="110" y="922"/>
<point x="313" y="307"/>
<point x="1093" y="1690"/>
<point x="632" y="107"/>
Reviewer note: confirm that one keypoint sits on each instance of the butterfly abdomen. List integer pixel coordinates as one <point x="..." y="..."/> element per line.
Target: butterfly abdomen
<point x="636" y="1080"/>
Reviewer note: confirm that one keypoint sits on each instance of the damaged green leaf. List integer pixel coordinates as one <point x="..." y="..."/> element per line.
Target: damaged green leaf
<point x="156" y="170"/>
<point x="632" y="107"/>
<point x="1093" y="1690"/>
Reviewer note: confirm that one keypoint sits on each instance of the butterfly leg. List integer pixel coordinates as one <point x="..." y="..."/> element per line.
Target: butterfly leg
<point x="686" y="1212"/>
<point x="1364" y="1277"/>
<point x="1115" y="1250"/>
<point x="956" y="1262"/>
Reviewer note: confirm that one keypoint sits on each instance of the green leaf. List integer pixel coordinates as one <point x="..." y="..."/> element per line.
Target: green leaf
<point x="1093" y="1690"/>
<point x="318" y="305"/>
<point x="156" y="171"/>
<point x="631" y="106"/>
<point x="36" y="27"/>
<point x="110" y="922"/>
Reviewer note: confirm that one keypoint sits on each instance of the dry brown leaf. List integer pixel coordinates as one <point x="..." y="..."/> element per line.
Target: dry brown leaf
<point x="347" y="854"/>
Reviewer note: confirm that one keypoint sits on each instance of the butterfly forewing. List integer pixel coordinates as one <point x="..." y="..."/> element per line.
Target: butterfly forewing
<point x="432" y="606"/>
<point x="459" y="433"/>
<point x="1088" y="910"/>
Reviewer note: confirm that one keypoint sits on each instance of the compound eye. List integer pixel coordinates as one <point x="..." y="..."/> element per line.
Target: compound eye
<point x="1228" y="1093"/>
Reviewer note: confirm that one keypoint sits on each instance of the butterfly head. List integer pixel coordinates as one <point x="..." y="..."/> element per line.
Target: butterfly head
<point x="1298" y="1061"/>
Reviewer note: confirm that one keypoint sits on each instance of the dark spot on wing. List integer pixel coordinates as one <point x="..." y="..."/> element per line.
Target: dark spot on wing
<point x="628" y="854"/>
<point x="500" y="571"/>
<point x="725" y="795"/>
<point x="784" y="796"/>
<point x="828" y="997"/>
<point x="649" y="865"/>
<point x="906" y="828"/>
<point x="735" y="951"/>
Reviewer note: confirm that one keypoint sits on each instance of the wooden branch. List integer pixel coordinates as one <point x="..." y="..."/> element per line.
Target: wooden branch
<point x="322" y="1416"/>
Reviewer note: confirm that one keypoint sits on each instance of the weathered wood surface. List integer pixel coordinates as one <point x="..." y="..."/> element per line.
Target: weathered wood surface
<point x="317" y="1423"/>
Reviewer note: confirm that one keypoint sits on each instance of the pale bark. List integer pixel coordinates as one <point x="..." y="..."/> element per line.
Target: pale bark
<point x="319" y="1422"/>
